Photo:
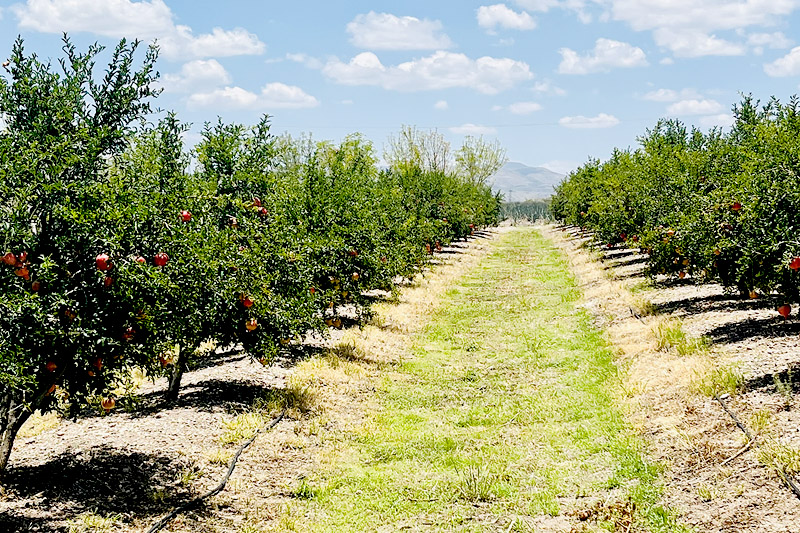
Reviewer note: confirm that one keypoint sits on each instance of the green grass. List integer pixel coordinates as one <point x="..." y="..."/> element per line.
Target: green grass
<point x="669" y="334"/>
<point x="505" y="412"/>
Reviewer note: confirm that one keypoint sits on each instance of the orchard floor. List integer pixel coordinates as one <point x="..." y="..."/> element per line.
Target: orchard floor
<point x="746" y="353"/>
<point x="123" y="471"/>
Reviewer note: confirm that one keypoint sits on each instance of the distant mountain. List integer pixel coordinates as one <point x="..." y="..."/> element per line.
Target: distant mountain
<point x="520" y="182"/>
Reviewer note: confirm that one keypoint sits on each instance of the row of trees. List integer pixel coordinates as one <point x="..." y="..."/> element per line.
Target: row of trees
<point x="714" y="206"/>
<point x="529" y="210"/>
<point x="123" y="249"/>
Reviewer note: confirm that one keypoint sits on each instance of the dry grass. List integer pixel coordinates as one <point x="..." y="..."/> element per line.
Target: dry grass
<point x="362" y="352"/>
<point x="37" y="424"/>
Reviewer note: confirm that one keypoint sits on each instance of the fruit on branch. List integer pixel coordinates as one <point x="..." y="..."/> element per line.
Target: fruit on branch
<point x="103" y="262"/>
<point x="161" y="259"/>
<point x="108" y="403"/>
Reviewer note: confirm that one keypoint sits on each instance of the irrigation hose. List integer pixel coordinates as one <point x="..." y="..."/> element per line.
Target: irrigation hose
<point x="784" y="475"/>
<point x="158" y="526"/>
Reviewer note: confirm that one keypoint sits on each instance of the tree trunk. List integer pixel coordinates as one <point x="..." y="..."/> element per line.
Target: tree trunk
<point x="13" y="413"/>
<point x="175" y="377"/>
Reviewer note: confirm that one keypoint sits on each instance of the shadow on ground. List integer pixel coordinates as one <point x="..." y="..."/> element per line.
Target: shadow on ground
<point x="105" y="481"/>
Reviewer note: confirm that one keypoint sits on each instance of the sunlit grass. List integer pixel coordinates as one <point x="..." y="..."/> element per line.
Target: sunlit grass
<point x="91" y="522"/>
<point x="670" y="335"/>
<point x="504" y="411"/>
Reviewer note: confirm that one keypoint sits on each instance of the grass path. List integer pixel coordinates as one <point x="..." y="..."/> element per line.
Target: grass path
<point x="502" y="417"/>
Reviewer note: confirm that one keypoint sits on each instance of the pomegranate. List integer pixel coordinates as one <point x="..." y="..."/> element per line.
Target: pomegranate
<point x="103" y="262"/>
<point x="160" y="259"/>
<point x="108" y="403"/>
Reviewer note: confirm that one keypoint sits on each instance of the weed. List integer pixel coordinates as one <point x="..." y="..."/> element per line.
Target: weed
<point x="641" y="286"/>
<point x="760" y="420"/>
<point x="643" y="306"/>
<point x="475" y="484"/>
<point x="784" y="388"/>
<point x="91" y="522"/>
<point x="306" y="491"/>
<point x="189" y="474"/>
<point x="159" y="496"/>
<point x="669" y="334"/>
<point x="241" y="428"/>
<point x="718" y="380"/>
<point x="779" y="455"/>
<point x="219" y="456"/>
<point x="707" y="492"/>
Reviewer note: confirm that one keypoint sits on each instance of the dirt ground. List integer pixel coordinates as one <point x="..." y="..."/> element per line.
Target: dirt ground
<point x="711" y="487"/>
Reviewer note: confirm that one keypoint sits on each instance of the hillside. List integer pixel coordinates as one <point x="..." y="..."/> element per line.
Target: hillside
<point x="519" y="182"/>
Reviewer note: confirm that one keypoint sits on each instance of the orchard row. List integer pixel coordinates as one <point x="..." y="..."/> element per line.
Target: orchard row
<point x="713" y="206"/>
<point x="123" y="248"/>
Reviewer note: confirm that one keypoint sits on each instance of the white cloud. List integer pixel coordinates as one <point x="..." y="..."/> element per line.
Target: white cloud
<point x="196" y="75"/>
<point x="788" y="65"/>
<point x="579" y="7"/>
<point x="602" y="120"/>
<point x="272" y="96"/>
<point x="442" y="70"/>
<point x="560" y="166"/>
<point x="524" y="108"/>
<point x="306" y="60"/>
<point x="775" y="40"/>
<point x="688" y="43"/>
<point x="667" y="61"/>
<point x="687" y="27"/>
<point x="112" y="18"/>
<point x="490" y="17"/>
<point x="441" y="105"/>
<point x="669" y="95"/>
<point x="225" y="98"/>
<point x="607" y="54"/>
<point x="473" y="129"/>
<point x="218" y="43"/>
<point x="384" y="31"/>
<point x="723" y="120"/>
<point x="704" y="16"/>
<point x="695" y="107"/>
<point x="537" y="5"/>
<point x="547" y="87"/>
<point x="146" y="20"/>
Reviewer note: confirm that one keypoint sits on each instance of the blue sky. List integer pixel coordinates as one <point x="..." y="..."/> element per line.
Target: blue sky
<point x="555" y="81"/>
